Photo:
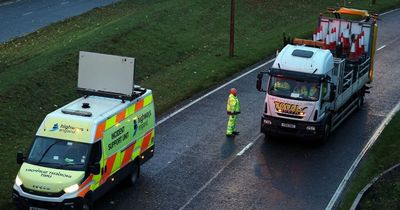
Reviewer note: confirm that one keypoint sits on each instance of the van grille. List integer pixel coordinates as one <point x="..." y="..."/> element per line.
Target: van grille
<point x="46" y="194"/>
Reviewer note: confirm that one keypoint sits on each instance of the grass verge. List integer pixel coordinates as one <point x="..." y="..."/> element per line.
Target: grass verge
<point x="383" y="155"/>
<point x="180" y="48"/>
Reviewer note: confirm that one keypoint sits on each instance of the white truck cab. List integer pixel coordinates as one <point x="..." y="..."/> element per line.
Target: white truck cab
<point x="298" y="88"/>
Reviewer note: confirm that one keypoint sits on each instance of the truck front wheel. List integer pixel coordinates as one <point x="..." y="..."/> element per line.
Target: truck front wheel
<point x="327" y="131"/>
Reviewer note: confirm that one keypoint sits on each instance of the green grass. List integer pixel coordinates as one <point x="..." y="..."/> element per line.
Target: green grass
<point x="180" y="47"/>
<point x="383" y="155"/>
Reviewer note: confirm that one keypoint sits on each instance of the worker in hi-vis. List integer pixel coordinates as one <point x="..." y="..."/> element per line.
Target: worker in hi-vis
<point x="233" y="109"/>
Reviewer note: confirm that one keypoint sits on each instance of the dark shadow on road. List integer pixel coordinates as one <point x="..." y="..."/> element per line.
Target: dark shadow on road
<point x="228" y="147"/>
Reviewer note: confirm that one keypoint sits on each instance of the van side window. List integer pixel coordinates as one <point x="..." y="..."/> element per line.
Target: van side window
<point x="95" y="156"/>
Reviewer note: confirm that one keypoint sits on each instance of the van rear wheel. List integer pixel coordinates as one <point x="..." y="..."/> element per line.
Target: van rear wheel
<point x="86" y="205"/>
<point x="134" y="176"/>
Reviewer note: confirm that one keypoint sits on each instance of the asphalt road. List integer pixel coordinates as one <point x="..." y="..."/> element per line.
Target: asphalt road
<point x="20" y="17"/>
<point x="196" y="167"/>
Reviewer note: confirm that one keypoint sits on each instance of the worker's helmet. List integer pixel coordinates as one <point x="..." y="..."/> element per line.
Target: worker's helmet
<point x="233" y="91"/>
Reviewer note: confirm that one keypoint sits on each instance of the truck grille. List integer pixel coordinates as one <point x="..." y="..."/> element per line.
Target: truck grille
<point x="291" y="116"/>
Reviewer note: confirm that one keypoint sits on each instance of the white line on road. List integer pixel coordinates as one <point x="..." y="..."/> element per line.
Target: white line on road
<point x="28" y="13"/>
<point x="211" y="92"/>
<point x="249" y="145"/>
<point x="64" y="2"/>
<point x="385" y="13"/>
<point x="9" y="2"/>
<point x="218" y="173"/>
<point x="381" y="47"/>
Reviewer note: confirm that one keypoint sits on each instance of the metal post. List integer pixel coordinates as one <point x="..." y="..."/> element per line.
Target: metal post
<point x="232" y="30"/>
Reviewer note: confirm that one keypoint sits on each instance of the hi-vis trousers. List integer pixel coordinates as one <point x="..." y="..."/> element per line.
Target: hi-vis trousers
<point x="232" y="122"/>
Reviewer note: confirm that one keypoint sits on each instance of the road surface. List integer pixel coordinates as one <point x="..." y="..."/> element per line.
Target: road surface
<point x="20" y="17"/>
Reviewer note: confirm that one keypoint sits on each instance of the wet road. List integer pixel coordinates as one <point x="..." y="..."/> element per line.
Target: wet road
<point x="196" y="167"/>
<point x="20" y="17"/>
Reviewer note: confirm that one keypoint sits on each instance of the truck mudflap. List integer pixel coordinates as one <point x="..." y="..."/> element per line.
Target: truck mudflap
<point x="291" y="128"/>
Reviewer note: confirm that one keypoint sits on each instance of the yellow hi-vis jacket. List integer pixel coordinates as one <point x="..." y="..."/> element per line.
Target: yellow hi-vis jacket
<point x="233" y="105"/>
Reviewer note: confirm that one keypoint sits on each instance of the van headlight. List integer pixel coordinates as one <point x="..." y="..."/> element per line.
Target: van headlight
<point x="71" y="188"/>
<point x="18" y="181"/>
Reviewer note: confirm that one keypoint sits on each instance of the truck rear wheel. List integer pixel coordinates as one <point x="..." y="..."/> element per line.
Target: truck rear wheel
<point x="360" y="102"/>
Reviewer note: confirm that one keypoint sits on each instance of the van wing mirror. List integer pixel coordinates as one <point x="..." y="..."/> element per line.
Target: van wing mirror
<point x="20" y="158"/>
<point x="259" y="81"/>
<point x="94" y="168"/>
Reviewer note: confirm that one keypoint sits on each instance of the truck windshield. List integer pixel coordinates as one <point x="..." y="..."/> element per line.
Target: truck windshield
<point x="294" y="88"/>
<point x="57" y="153"/>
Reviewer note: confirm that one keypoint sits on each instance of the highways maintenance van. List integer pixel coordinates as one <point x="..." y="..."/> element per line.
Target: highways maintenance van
<point x="84" y="148"/>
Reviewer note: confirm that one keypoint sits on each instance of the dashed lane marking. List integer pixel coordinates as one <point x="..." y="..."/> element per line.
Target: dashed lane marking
<point x="219" y="172"/>
<point x="381" y="47"/>
<point x="28" y="13"/>
<point x="249" y="145"/>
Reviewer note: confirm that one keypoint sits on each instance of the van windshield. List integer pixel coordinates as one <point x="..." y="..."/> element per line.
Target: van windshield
<point x="58" y="153"/>
<point x="294" y="88"/>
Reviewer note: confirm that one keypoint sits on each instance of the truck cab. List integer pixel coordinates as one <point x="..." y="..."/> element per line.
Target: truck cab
<point x="298" y="92"/>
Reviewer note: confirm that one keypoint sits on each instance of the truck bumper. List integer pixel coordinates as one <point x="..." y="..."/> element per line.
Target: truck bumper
<point x="25" y="203"/>
<point x="291" y="128"/>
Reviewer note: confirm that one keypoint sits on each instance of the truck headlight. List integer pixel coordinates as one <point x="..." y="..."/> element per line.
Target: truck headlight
<point x="268" y="122"/>
<point x="18" y="181"/>
<point x="310" y="128"/>
<point x="71" y="188"/>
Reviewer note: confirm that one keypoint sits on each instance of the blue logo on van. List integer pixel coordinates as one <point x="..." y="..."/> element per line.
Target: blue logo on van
<point x="55" y="127"/>
<point x="135" y="126"/>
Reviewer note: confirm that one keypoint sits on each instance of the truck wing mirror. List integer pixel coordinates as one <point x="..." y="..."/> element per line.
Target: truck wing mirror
<point x="259" y="82"/>
<point x="20" y="158"/>
<point x="94" y="168"/>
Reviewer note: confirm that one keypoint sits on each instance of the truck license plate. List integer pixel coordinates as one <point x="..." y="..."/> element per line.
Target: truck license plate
<point x="36" y="208"/>
<point x="287" y="125"/>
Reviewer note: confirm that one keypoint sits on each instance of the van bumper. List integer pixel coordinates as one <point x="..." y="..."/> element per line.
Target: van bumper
<point x="22" y="202"/>
<point x="291" y="128"/>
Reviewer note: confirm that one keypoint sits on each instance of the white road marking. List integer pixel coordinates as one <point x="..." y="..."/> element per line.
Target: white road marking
<point x="381" y="47"/>
<point x="28" y="13"/>
<point x="64" y="2"/>
<point x="385" y="13"/>
<point x="9" y="2"/>
<point x="218" y="173"/>
<point x="369" y="144"/>
<point x="249" y="145"/>
<point x="211" y="92"/>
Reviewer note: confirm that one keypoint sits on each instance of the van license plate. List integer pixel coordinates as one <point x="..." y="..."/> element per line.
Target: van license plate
<point x="36" y="208"/>
<point x="287" y="125"/>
